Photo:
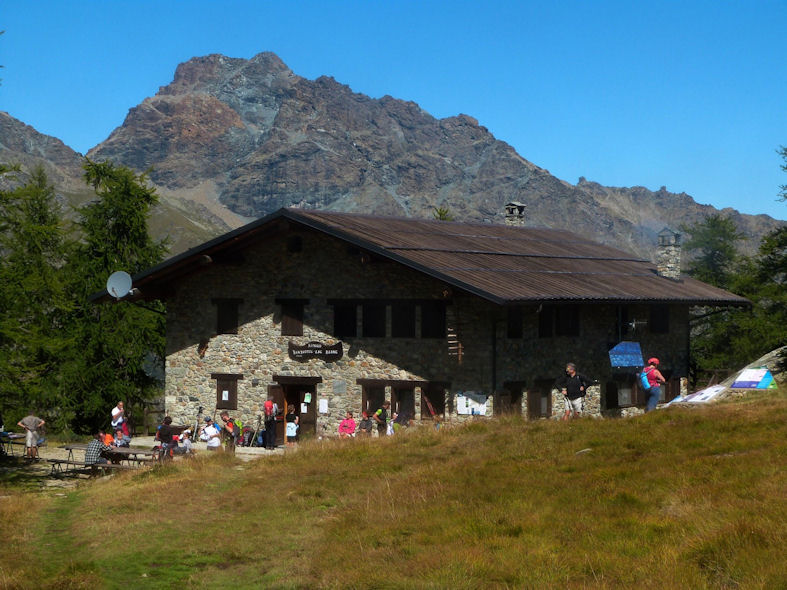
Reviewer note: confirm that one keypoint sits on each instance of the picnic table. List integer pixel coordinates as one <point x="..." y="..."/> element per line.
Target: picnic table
<point x="8" y="440"/>
<point x="134" y="457"/>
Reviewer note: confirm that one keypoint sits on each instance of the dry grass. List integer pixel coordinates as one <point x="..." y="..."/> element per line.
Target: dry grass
<point x="674" y="499"/>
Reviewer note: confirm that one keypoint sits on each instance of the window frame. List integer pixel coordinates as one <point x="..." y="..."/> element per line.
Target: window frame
<point x="228" y="381"/>
<point x="227" y="315"/>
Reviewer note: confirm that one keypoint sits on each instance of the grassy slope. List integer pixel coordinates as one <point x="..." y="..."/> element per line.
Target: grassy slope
<point x="674" y="499"/>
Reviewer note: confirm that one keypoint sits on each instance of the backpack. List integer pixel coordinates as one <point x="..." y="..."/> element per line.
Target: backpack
<point x="643" y="380"/>
<point x="269" y="410"/>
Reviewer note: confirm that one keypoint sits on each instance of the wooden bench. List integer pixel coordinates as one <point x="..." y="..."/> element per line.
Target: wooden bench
<point x="76" y="467"/>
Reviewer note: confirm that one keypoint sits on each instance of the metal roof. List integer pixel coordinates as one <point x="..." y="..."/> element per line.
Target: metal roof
<point x="504" y="264"/>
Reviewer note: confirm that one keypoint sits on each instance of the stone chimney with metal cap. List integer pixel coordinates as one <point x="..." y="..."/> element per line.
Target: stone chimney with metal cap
<point x="668" y="254"/>
<point x="515" y="214"/>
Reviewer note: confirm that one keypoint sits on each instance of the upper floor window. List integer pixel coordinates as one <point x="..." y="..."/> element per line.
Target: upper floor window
<point x="514" y="323"/>
<point x="558" y="320"/>
<point x="227" y="315"/>
<point x="373" y="320"/>
<point x="345" y="320"/>
<point x="403" y="320"/>
<point x="291" y="316"/>
<point x="433" y="324"/>
<point x="659" y="319"/>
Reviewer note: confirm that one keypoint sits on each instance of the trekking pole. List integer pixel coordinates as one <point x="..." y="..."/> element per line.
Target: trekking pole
<point x="253" y="441"/>
<point x="196" y="423"/>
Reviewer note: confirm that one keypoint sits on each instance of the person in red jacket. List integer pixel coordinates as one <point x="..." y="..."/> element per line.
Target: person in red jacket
<point x="655" y="380"/>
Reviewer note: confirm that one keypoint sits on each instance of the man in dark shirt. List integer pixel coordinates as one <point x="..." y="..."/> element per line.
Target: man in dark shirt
<point x="573" y="386"/>
<point x="168" y="436"/>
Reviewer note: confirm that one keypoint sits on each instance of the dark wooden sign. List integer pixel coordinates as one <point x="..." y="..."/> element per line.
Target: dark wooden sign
<point x="316" y="350"/>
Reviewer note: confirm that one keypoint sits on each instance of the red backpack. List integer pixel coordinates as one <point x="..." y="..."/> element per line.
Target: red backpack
<point x="269" y="409"/>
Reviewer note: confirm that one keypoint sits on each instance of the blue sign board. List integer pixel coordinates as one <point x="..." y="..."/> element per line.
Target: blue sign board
<point x="626" y="354"/>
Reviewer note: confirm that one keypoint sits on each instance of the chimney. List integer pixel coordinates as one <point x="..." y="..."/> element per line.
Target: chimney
<point x="668" y="254"/>
<point x="515" y="214"/>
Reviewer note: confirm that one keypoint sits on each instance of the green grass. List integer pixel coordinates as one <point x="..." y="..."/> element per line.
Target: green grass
<point x="674" y="499"/>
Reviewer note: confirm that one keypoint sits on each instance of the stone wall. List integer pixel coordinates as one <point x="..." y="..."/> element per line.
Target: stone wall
<point x="326" y="269"/>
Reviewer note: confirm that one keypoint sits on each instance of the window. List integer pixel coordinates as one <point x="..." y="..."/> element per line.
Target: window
<point x="291" y="316"/>
<point x="345" y="323"/>
<point x="624" y="391"/>
<point x="226" y="390"/>
<point x="433" y="323"/>
<point x="558" y="320"/>
<point x="372" y="398"/>
<point x="227" y="315"/>
<point x="546" y="320"/>
<point x="514" y="329"/>
<point x="622" y="322"/>
<point x="373" y="320"/>
<point x="567" y="320"/>
<point x="659" y="319"/>
<point x="403" y="320"/>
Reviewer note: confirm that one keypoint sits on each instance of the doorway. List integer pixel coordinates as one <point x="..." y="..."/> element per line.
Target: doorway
<point x="300" y="393"/>
<point x="509" y="401"/>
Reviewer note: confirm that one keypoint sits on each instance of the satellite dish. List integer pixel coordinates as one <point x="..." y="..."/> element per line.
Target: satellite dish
<point x="119" y="284"/>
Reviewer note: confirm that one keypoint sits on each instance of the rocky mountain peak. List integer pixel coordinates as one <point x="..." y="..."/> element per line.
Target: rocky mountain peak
<point x="233" y="139"/>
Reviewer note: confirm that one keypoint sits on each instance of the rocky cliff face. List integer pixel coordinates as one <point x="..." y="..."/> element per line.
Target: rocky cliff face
<point x="185" y="223"/>
<point x="230" y="140"/>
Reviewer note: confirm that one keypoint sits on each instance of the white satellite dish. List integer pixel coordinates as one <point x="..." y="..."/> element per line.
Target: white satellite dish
<point x="119" y="284"/>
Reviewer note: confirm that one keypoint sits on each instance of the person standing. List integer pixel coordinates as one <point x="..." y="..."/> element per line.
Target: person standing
<point x="292" y="424"/>
<point x="31" y="424"/>
<point x="655" y="380"/>
<point x="211" y="435"/>
<point x="573" y="386"/>
<point x="118" y="415"/>
<point x="380" y="418"/>
<point x="270" y="408"/>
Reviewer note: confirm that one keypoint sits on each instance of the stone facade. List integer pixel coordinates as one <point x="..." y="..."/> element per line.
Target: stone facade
<point x="504" y="354"/>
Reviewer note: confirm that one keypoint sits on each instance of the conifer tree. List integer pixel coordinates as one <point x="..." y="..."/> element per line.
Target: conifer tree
<point x="33" y="298"/>
<point x="117" y="343"/>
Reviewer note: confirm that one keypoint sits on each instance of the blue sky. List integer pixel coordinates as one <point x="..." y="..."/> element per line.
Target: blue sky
<point x="686" y="94"/>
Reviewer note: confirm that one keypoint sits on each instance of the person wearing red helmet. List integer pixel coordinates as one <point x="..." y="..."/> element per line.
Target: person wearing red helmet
<point x="655" y="380"/>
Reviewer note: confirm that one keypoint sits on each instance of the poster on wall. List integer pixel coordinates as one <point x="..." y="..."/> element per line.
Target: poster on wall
<point x="471" y="403"/>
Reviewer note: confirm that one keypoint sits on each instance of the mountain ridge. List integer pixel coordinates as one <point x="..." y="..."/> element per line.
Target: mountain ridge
<point x="231" y="139"/>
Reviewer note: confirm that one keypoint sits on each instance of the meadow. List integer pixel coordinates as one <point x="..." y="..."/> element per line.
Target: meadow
<point x="679" y="498"/>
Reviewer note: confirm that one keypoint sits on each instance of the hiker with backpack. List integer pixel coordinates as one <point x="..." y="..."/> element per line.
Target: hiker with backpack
<point x="573" y="386"/>
<point x="231" y="432"/>
<point x="654" y="379"/>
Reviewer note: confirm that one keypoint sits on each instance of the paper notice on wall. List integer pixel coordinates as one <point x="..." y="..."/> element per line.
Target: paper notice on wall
<point x="471" y="403"/>
<point x="225" y="396"/>
<point x="304" y="408"/>
<point x="307" y="398"/>
<point x="323" y="406"/>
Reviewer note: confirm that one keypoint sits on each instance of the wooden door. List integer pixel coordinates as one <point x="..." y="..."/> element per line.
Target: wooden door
<point x="277" y="391"/>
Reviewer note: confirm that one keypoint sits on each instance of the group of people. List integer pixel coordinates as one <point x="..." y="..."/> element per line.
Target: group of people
<point x="379" y="419"/>
<point x="574" y="387"/>
<point x="231" y="430"/>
